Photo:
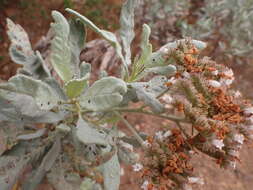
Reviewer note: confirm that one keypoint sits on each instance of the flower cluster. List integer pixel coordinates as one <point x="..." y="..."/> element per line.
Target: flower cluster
<point x="219" y="117"/>
<point x="167" y="162"/>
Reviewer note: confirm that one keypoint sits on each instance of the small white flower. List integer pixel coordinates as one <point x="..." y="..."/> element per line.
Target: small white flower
<point x="159" y="135"/>
<point x="122" y="171"/>
<point x="146" y="143"/>
<point x="186" y="74"/>
<point x="137" y="167"/>
<point x="126" y="145"/>
<point x="218" y="143"/>
<point x="167" y="98"/>
<point x="196" y="180"/>
<point x="229" y="73"/>
<point x="233" y="153"/>
<point x="214" y="83"/>
<point x="172" y="80"/>
<point x="248" y="111"/>
<point x="238" y="94"/>
<point x="167" y="134"/>
<point x="215" y="72"/>
<point x="227" y="82"/>
<point x="232" y="164"/>
<point x="239" y="138"/>
<point x="144" y="186"/>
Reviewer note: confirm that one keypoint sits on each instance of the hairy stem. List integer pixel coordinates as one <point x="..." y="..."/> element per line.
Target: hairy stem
<point x="131" y="128"/>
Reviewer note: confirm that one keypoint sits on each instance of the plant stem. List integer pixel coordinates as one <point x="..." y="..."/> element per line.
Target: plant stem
<point x="169" y="117"/>
<point x="131" y="128"/>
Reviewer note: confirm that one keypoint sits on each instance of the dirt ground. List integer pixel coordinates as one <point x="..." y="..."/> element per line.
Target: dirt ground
<point x="34" y="16"/>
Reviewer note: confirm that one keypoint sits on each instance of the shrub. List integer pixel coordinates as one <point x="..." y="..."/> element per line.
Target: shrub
<point x="67" y="128"/>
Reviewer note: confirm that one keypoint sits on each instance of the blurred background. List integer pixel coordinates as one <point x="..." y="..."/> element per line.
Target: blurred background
<point x="226" y="25"/>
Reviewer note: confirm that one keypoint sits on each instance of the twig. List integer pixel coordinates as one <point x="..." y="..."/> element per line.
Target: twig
<point x="131" y="128"/>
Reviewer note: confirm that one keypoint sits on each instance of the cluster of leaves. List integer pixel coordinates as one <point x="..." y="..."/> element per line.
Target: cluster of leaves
<point x="67" y="128"/>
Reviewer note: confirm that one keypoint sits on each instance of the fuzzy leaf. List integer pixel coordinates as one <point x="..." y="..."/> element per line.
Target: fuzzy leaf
<point x="20" y="49"/>
<point x="30" y="136"/>
<point x="11" y="169"/>
<point x="111" y="173"/>
<point x="77" y="37"/>
<point x="61" y="51"/>
<point x="89" y="184"/>
<point x="22" y="109"/>
<point x="109" y="36"/>
<point x="127" y="27"/>
<point x="146" y="46"/>
<point x="21" y="52"/>
<point x="43" y="94"/>
<point x="75" y="87"/>
<point x="104" y="94"/>
<point x="149" y="99"/>
<point x="45" y="166"/>
<point x="89" y="135"/>
<point x="168" y="70"/>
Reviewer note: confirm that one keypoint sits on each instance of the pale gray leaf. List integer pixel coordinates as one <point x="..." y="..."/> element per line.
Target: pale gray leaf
<point x="43" y="94"/>
<point x="30" y="136"/>
<point x="61" y="51"/>
<point x="149" y="99"/>
<point x="111" y="173"/>
<point x="104" y="94"/>
<point x="89" y="135"/>
<point x="110" y="37"/>
<point x="45" y="166"/>
<point x="127" y="27"/>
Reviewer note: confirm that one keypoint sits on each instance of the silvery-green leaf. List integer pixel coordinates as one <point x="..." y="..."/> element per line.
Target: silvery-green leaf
<point x="75" y="87"/>
<point x="58" y="175"/>
<point x="85" y="68"/>
<point x="156" y="59"/>
<point x="105" y="34"/>
<point x="77" y="37"/>
<point x="89" y="184"/>
<point x="111" y="173"/>
<point x="127" y="156"/>
<point x="20" y="49"/>
<point x="89" y="135"/>
<point x="127" y="27"/>
<point x="44" y="167"/>
<point x="52" y="82"/>
<point x="43" y="94"/>
<point x="167" y="70"/>
<point x="149" y="99"/>
<point x="104" y="94"/>
<point x="61" y="51"/>
<point x="63" y="128"/>
<point x="146" y="46"/>
<point x="30" y="136"/>
<point x="11" y="169"/>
